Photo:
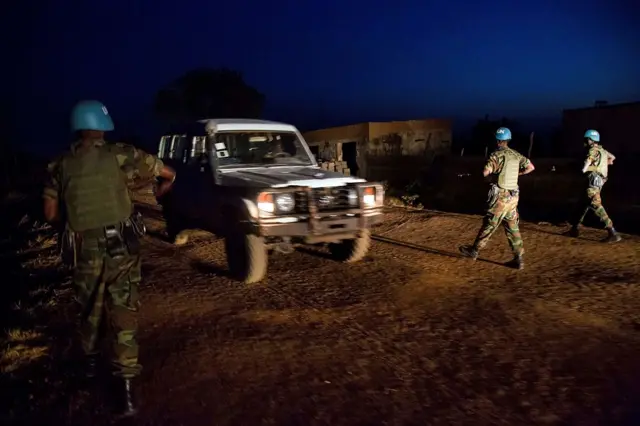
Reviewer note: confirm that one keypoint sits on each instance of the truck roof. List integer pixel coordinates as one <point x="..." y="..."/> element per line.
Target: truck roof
<point x="245" y="124"/>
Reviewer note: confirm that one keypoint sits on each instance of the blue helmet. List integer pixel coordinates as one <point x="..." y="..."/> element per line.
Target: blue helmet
<point x="593" y="135"/>
<point x="503" y="134"/>
<point x="91" y="115"/>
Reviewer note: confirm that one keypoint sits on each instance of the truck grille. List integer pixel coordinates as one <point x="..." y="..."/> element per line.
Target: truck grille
<point x="326" y="199"/>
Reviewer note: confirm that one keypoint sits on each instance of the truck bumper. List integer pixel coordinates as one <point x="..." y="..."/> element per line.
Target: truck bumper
<point x="322" y="228"/>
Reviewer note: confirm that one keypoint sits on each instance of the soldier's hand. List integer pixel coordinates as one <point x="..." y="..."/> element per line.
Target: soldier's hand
<point x="163" y="188"/>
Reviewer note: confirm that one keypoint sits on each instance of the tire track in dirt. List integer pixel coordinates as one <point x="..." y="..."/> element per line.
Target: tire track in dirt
<point x="598" y="278"/>
<point x="548" y="282"/>
<point x="360" y="333"/>
<point x="494" y="293"/>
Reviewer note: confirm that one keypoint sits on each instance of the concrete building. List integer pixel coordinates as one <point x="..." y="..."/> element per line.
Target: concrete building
<point x="382" y="149"/>
<point x="617" y="124"/>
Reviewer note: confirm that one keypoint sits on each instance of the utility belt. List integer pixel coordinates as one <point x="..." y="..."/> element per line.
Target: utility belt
<point x="119" y="240"/>
<point x="596" y="180"/>
<point x="495" y="191"/>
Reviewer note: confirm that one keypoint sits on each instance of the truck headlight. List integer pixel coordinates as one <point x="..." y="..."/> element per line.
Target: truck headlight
<point x="373" y="196"/>
<point x="285" y="203"/>
<point x="276" y="203"/>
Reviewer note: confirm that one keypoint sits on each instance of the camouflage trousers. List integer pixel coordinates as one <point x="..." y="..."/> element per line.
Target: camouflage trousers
<point x="591" y="200"/>
<point x="107" y="290"/>
<point x="502" y="209"/>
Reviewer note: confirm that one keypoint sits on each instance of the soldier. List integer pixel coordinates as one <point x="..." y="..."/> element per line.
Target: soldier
<point x="507" y="164"/>
<point x="87" y="192"/>
<point x="596" y="166"/>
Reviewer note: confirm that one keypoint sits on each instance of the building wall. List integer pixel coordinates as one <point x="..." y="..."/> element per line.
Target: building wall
<point x="352" y="132"/>
<point x="384" y="149"/>
<point x="617" y="125"/>
<point x="418" y="142"/>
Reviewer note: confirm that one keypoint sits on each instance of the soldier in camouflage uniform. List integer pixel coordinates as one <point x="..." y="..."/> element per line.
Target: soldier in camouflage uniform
<point x="596" y="167"/>
<point x="87" y="191"/>
<point x="507" y="164"/>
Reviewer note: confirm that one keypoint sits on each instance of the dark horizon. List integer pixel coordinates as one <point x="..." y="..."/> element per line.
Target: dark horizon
<point x="351" y="63"/>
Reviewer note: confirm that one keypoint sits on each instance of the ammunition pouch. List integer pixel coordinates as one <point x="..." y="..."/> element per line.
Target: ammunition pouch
<point x="494" y="193"/>
<point x="596" y="180"/>
<point x="131" y="238"/>
<point x="492" y="196"/>
<point x="115" y="243"/>
<point x="138" y="225"/>
<point x="125" y="238"/>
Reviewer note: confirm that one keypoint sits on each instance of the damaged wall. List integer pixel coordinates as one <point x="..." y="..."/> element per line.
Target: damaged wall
<point x="382" y="150"/>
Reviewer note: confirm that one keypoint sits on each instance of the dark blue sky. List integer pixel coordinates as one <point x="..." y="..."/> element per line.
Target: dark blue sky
<point x="325" y="62"/>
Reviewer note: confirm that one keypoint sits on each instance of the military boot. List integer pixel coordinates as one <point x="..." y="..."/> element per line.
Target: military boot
<point x="469" y="251"/>
<point x="613" y="236"/>
<point x="517" y="263"/>
<point x="573" y="232"/>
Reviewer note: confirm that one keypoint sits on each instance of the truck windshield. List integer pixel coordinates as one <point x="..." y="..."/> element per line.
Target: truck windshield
<point x="249" y="149"/>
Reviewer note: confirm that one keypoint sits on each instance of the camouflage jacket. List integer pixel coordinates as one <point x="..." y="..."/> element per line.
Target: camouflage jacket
<point x="138" y="167"/>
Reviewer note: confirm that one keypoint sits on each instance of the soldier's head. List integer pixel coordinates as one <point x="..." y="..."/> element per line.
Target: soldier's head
<point x="90" y="119"/>
<point x="503" y="136"/>
<point x="591" y="137"/>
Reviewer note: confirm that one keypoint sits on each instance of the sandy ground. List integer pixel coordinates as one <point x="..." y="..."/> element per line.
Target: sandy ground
<point x="409" y="336"/>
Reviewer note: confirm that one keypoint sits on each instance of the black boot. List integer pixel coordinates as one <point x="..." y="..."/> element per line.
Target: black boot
<point x="469" y="251"/>
<point x="517" y="263"/>
<point x="613" y="236"/>
<point x="573" y="232"/>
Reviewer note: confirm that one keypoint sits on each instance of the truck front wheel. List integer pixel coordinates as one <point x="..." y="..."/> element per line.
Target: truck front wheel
<point x="246" y="256"/>
<point x="353" y="250"/>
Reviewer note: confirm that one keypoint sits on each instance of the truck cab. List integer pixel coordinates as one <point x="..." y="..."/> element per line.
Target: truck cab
<point x="256" y="184"/>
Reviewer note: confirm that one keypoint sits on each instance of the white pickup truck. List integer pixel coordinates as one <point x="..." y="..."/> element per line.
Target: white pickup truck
<point x="256" y="184"/>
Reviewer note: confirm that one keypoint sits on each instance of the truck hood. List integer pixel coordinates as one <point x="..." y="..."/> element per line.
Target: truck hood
<point x="280" y="177"/>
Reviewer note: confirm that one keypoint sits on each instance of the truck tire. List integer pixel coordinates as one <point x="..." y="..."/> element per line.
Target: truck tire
<point x="247" y="257"/>
<point x="350" y="251"/>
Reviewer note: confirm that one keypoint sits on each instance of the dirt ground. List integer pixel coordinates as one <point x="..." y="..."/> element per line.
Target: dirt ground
<point x="412" y="335"/>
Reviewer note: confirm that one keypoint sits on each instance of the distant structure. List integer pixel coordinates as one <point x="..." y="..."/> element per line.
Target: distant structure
<point x="383" y="150"/>
<point x="617" y="124"/>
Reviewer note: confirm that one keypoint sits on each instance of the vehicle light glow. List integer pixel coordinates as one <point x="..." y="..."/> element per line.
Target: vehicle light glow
<point x="265" y="203"/>
<point x="369" y="197"/>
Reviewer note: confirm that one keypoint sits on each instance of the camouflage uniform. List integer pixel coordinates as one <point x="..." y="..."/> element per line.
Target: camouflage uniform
<point x="591" y="200"/>
<point x="502" y="203"/>
<point x="107" y="286"/>
<point x="502" y="208"/>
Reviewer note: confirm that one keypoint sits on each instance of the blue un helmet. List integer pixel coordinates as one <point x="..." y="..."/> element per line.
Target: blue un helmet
<point x="592" y="135"/>
<point x="91" y="115"/>
<point x="503" y="134"/>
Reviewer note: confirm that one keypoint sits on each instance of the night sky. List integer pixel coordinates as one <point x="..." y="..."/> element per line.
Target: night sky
<point x="321" y="63"/>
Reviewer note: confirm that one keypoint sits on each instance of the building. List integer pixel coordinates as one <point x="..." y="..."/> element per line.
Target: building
<point x="617" y="124"/>
<point x="379" y="150"/>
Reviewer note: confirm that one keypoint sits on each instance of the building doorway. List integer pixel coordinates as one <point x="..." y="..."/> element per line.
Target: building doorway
<point x="350" y="155"/>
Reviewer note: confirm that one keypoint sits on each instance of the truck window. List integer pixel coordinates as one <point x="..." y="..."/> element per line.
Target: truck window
<point x="198" y="150"/>
<point x="177" y="148"/>
<point x="163" y="146"/>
